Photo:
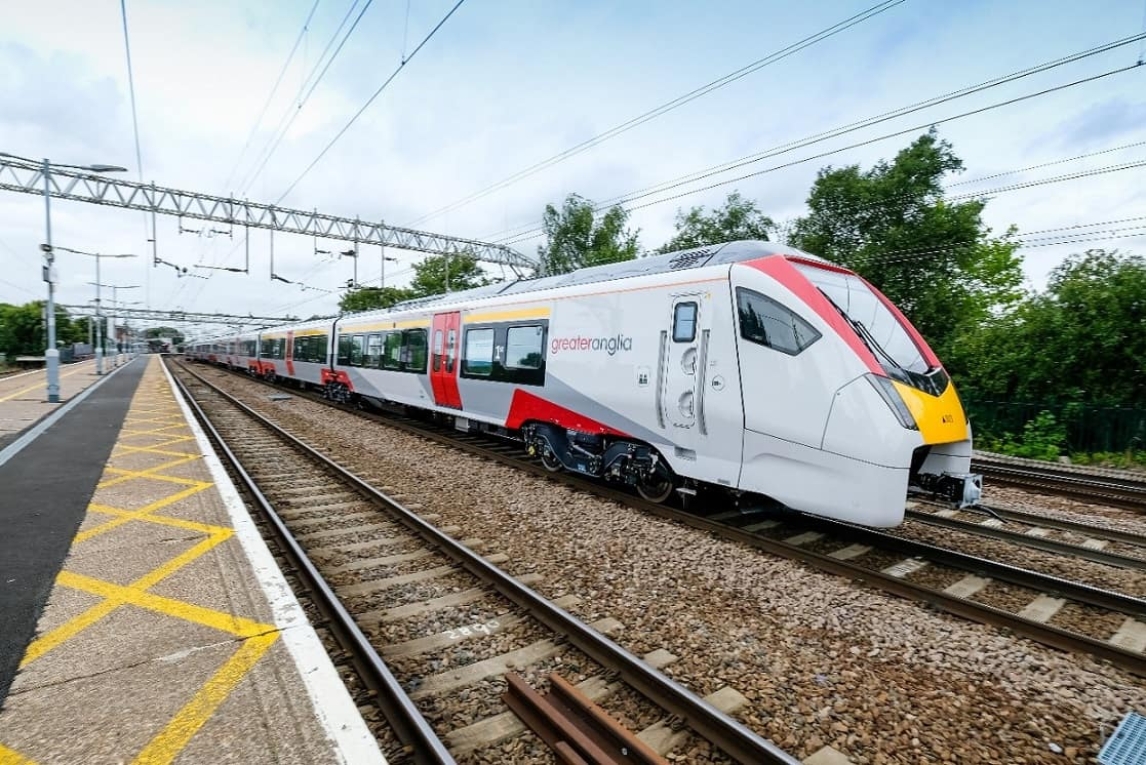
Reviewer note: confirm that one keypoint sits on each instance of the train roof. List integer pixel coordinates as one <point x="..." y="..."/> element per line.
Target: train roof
<point x="681" y="260"/>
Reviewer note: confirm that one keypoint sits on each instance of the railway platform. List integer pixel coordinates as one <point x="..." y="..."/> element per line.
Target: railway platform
<point x="144" y="620"/>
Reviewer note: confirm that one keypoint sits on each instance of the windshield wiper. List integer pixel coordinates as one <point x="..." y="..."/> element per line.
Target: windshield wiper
<point x="865" y="335"/>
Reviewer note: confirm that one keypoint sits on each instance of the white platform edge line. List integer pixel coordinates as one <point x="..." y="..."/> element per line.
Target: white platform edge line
<point x="352" y="741"/>
<point x="14" y="448"/>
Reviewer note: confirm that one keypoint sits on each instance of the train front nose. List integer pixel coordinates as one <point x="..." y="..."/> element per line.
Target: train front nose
<point x="945" y="467"/>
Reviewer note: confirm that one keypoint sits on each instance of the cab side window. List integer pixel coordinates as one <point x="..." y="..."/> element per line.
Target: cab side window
<point x="766" y="322"/>
<point x="684" y="323"/>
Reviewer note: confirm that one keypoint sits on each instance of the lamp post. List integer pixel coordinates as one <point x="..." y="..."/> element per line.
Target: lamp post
<point x="52" y="354"/>
<point x="97" y="256"/>
<point x="115" y="303"/>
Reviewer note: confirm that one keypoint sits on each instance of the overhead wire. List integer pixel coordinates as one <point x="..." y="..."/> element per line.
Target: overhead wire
<point x="369" y="101"/>
<point x="851" y="127"/>
<point x="515" y="238"/>
<point x="135" y="131"/>
<point x="668" y="106"/>
<point x="270" y="96"/>
<point x="313" y="80"/>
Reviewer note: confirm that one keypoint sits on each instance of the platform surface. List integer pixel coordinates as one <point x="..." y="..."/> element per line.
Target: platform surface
<point x="168" y="635"/>
<point x="24" y="396"/>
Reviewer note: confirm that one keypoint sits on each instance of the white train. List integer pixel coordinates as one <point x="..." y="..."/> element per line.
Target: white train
<point x="749" y="367"/>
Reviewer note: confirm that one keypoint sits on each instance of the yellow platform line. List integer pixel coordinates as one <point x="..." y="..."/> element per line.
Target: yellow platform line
<point x="164" y="520"/>
<point x="187" y="722"/>
<point x="12" y="757"/>
<point x="43" y="385"/>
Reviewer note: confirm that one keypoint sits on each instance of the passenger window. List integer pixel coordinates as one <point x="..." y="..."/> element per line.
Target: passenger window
<point x="437" y="354"/>
<point x="343" y="349"/>
<point x="478" y="359"/>
<point x="373" y="351"/>
<point x="684" y="323"/>
<point x="393" y="358"/>
<point x="357" y="344"/>
<point x="765" y="322"/>
<point x="414" y="350"/>
<point x="524" y="347"/>
<point x="451" y="348"/>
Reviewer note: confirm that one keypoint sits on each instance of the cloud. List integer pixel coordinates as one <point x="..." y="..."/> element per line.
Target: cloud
<point x="1103" y="123"/>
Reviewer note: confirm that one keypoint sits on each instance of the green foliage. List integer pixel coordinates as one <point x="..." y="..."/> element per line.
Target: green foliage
<point x="1043" y="439"/>
<point x="1083" y="340"/>
<point x="22" y="331"/>
<point x="739" y="218"/>
<point x="438" y="272"/>
<point x="935" y="260"/>
<point x="157" y="332"/>
<point x="577" y="239"/>
<point x="1130" y="459"/>
<point x="372" y="298"/>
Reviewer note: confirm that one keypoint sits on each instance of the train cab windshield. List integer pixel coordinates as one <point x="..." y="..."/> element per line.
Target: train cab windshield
<point x="879" y="329"/>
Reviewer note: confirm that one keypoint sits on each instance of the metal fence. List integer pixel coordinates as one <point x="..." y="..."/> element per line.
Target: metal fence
<point x="1087" y="428"/>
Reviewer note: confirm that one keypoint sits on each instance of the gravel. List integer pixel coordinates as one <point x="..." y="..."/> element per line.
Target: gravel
<point x="820" y="660"/>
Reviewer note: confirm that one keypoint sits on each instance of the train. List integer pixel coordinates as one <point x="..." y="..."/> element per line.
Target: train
<point x="749" y="368"/>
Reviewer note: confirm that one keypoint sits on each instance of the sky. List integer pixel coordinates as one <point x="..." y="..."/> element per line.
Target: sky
<point x="504" y="85"/>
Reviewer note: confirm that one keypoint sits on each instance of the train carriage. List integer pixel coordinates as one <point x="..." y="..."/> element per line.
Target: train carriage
<point x="748" y="367"/>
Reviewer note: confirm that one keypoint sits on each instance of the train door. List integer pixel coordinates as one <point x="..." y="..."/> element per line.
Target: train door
<point x="682" y="365"/>
<point x="444" y="351"/>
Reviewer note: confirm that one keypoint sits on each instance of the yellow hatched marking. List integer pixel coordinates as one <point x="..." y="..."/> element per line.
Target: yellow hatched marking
<point x="124" y="450"/>
<point x="151" y="473"/>
<point x="187" y="722"/>
<point x="208" y="617"/>
<point x="257" y="637"/>
<point x="12" y="757"/>
<point x="163" y="520"/>
<point x="140" y="514"/>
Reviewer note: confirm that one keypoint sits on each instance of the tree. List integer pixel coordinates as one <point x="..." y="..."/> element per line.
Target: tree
<point x="576" y="239"/>
<point x="170" y="332"/>
<point x="438" y="272"/>
<point x="1079" y="341"/>
<point x="22" y="330"/>
<point x="936" y="260"/>
<point x="372" y="298"/>
<point x="739" y="218"/>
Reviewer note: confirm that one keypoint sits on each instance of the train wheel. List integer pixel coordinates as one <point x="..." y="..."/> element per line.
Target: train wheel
<point x="657" y="487"/>
<point x="550" y="462"/>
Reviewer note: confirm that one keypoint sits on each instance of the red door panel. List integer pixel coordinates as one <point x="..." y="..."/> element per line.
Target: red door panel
<point x="445" y="347"/>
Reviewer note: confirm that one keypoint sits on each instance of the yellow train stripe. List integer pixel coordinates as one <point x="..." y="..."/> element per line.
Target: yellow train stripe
<point x="540" y="312"/>
<point x="187" y="722"/>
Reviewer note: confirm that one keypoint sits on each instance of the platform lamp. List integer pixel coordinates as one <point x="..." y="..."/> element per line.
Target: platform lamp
<point x="52" y="354"/>
<point x="97" y="256"/>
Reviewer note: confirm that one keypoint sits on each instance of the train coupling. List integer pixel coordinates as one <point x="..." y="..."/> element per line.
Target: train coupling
<point x="961" y="489"/>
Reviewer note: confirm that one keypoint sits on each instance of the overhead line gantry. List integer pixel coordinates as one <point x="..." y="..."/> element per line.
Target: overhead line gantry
<point x="27" y="177"/>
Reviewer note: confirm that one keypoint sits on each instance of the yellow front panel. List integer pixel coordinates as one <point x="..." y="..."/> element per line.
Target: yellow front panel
<point x="940" y="418"/>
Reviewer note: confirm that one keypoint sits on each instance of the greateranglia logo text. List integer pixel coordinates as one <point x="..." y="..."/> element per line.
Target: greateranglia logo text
<point x="609" y="345"/>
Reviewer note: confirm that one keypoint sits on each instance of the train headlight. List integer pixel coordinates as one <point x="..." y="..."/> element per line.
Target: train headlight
<point x="894" y="401"/>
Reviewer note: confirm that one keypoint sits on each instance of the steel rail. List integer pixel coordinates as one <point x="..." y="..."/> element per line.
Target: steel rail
<point x="732" y="737"/>
<point x="409" y="725"/>
<point x="1035" y="580"/>
<point x="1046" y="634"/>
<point x="1121" y="492"/>
<point x="1034" y="519"/>
<point x="1026" y="540"/>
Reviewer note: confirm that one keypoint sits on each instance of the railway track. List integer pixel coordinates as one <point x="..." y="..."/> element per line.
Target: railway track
<point x="1068" y="615"/>
<point x="1112" y="490"/>
<point x="431" y="624"/>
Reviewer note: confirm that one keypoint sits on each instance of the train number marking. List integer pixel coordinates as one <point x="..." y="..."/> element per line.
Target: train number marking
<point x="469" y="630"/>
